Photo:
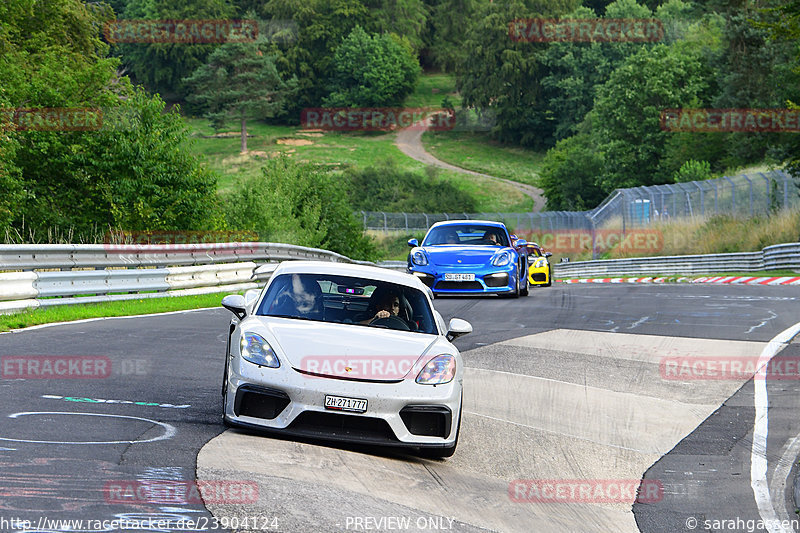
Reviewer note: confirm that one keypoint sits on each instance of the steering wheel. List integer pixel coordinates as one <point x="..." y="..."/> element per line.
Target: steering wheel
<point x="392" y="322"/>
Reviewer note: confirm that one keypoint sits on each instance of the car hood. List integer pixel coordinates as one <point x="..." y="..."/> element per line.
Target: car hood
<point x="351" y="351"/>
<point x="469" y="255"/>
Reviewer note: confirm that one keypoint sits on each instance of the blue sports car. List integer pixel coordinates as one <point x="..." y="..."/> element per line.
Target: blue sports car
<point x="470" y="257"/>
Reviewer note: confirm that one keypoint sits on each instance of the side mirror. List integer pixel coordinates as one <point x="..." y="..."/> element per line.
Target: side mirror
<point x="521" y="242"/>
<point x="235" y="303"/>
<point x="413" y="243"/>
<point x="457" y="328"/>
<point x="548" y="254"/>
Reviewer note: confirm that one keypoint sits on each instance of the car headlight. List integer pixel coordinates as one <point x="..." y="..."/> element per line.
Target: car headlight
<point x="502" y="259"/>
<point x="419" y="258"/>
<point x="440" y="369"/>
<point x="255" y="349"/>
<point x="540" y="263"/>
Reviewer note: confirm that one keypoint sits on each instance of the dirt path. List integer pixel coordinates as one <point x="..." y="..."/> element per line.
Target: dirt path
<point x="409" y="141"/>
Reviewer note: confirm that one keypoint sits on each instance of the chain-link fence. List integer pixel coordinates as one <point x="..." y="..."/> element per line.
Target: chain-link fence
<point x="744" y="195"/>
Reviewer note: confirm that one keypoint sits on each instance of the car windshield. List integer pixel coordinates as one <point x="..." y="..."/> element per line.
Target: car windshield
<point x="348" y="300"/>
<point x="462" y="234"/>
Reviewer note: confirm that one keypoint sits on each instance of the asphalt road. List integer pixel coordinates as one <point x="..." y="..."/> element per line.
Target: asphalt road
<point x="564" y="384"/>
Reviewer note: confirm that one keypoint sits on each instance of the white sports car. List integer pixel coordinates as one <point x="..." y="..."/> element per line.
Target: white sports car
<point x="344" y="352"/>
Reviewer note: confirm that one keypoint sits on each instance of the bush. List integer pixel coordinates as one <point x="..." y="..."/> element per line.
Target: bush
<point x="301" y="204"/>
<point x="693" y="171"/>
<point x="386" y="187"/>
<point x="372" y="70"/>
<point x="569" y="173"/>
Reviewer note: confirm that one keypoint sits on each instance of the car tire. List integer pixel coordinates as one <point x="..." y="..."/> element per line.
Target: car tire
<point x="524" y="290"/>
<point x="549" y="276"/>
<point x="225" y="422"/>
<point x="442" y="453"/>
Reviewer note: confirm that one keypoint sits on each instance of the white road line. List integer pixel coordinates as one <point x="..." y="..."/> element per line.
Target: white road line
<point x="758" y="453"/>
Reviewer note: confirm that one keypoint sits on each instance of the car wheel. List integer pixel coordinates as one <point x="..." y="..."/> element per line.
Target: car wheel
<point x="441" y="453"/>
<point x="515" y="294"/>
<point x="524" y="290"/>
<point x="549" y="276"/>
<point x="225" y="421"/>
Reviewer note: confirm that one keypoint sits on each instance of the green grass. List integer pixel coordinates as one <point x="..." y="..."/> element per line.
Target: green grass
<point x="337" y="150"/>
<point x="144" y="306"/>
<point x="342" y="150"/>
<point x="476" y="151"/>
<point x="431" y="89"/>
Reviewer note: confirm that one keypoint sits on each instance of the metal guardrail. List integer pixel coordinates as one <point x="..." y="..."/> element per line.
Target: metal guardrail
<point x="46" y="275"/>
<point x="57" y="274"/>
<point x="777" y="257"/>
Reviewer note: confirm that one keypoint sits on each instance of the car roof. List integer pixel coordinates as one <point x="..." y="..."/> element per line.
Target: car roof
<point x="348" y="269"/>
<point x="456" y="222"/>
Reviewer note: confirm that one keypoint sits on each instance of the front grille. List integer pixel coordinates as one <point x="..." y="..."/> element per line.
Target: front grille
<point x="338" y="425"/>
<point x="259" y="402"/>
<point x="459" y="286"/>
<point x="496" y="280"/>
<point x="539" y="276"/>
<point x="428" y="420"/>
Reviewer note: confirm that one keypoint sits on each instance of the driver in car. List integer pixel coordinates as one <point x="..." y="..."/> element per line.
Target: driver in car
<point x="387" y="305"/>
<point x="491" y="238"/>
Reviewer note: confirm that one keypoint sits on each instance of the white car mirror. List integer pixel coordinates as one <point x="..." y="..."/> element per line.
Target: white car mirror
<point x="235" y="303"/>
<point x="457" y="328"/>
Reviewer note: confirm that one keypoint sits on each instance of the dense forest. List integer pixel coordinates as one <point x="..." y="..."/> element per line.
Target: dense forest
<point x="595" y="107"/>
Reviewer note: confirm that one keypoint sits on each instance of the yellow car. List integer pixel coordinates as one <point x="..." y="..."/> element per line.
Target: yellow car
<point x="539" y="270"/>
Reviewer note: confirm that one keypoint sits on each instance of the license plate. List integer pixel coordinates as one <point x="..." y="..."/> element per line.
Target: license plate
<point x="455" y="276"/>
<point x="340" y="403"/>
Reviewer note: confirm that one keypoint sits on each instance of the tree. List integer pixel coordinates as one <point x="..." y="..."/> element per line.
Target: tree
<point x="784" y="27"/>
<point x="239" y="81"/>
<point x="628" y="112"/>
<point x="505" y="76"/>
<point x="371" y="71"/>
<point x="161" y="67"/>
<point x="134" y="172"/>
<point x="321" y="26"/>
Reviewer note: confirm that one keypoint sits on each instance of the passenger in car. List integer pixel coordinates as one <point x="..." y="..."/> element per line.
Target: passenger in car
<point x="301" y="298"/>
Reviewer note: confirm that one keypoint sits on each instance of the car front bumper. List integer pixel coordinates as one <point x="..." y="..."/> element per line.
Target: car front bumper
<point x="539" y="276"/>
<point x="488" y="280"/>
<point x="289" y="402"/>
